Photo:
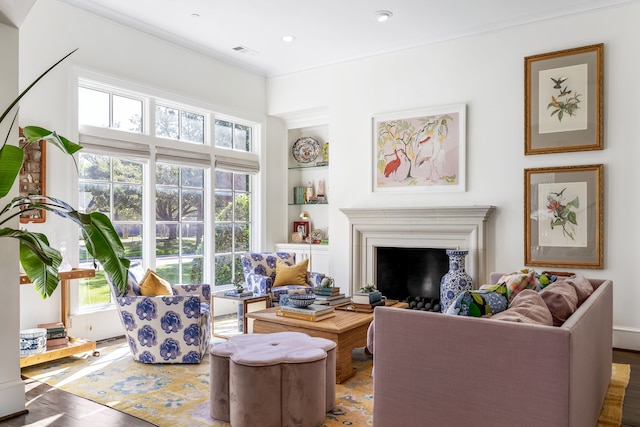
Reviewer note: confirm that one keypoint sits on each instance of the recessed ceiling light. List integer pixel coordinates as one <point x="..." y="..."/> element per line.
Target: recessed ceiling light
<point x="288" y="39"/>
<point x="382" y="15"/>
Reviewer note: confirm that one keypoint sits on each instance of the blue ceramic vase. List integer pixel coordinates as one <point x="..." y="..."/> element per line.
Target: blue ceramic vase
<point x="456" y="280"/>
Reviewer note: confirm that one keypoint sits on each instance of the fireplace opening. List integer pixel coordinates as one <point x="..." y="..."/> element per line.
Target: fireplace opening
<point x="410" y="274"/>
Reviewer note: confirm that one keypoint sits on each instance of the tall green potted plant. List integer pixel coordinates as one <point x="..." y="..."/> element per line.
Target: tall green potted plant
<point x="38" y="259"/>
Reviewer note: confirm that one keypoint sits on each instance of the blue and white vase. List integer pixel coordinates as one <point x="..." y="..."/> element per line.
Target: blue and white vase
<point x="456" y="280"/>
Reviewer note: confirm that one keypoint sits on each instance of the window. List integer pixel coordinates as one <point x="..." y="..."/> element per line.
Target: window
<point x="106" y="109"/>
<point x="179" y="223"/>
<point x="113" y="186"/>
<point x="155" y="186"/>
<point x="177" y="124"/>
<point x="233" y="135"/>
<point x="232" y="224"/>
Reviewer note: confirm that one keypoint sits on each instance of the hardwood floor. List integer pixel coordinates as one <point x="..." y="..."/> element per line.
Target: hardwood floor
<point x="631" y="410"/>
<point x="51" y="407"/>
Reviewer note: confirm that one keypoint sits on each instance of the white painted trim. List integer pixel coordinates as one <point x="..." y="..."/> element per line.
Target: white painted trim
<point x="462" y="227"/>
<point x="626" y="338"/>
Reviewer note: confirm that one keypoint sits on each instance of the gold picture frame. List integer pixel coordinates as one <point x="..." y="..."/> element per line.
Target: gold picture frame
<point x="563" y="100"/>
<point x="563" y="216"/>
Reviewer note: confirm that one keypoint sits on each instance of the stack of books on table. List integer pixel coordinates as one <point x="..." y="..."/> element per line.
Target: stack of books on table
<point x="56" y="335"/>
<point x="313" y="312"/>
<point x="326" y="292"/>
<point x="365" y="302"/>
<point x="334" y="300"/>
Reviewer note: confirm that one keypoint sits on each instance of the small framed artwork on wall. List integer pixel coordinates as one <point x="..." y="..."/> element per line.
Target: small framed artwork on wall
<point x="563" y="216"/>
<point x="563" y="100"/>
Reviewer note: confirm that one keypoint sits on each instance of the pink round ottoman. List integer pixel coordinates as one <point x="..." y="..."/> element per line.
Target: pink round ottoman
<point x="280" y="379"/>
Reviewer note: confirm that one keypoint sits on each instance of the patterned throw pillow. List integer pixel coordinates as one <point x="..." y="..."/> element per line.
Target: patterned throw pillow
<point x="291" y="274"/>
<point x="523" y="279"/>
<point x="486" y="301"/>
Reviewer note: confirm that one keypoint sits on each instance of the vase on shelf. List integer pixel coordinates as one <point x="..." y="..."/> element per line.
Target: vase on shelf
<point x="456" y="280"/>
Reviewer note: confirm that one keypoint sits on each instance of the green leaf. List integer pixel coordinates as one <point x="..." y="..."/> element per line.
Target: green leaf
<point x="39" y="261"/>
<point x="35" y="133"/>
<point x="572" y="218"/>
<point x="575" y="203"/>
<point x="43" y="275"/>
<point x="11" y="158"/>
<point x="108" y="249"/>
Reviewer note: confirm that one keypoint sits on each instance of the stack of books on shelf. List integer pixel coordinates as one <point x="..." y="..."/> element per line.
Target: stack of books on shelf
<point x="56" y="335"/>
<point x="312" y="313"/>
<point x="365" y="302"/>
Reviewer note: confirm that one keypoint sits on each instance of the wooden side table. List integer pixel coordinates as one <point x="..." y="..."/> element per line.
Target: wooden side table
<point x="76" y="345"/>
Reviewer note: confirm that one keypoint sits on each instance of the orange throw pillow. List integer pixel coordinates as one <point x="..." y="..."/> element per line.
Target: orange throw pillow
<point x="153" y="285"/>
<point x="291" y="274"/>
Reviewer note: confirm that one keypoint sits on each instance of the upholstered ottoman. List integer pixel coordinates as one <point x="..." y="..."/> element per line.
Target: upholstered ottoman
<point x="281" y="379"/>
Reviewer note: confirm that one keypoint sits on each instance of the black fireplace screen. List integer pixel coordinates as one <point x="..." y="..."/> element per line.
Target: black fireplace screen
<point x="410" y="272"/>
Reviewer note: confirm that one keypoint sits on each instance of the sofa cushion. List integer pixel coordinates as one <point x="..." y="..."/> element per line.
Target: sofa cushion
<point x="516" y="282"/>
<point x="581" y="285"/>
<point x="291" y="274"/>
<point x="482" y="302"/>
<point x="562" y="301"/>
<point x="153" y="285"/>
<point x="527" y="307"/>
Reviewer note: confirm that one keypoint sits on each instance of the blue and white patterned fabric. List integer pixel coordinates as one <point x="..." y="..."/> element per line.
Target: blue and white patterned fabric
<point x="260" y="271"/>
<point x="165" y="329"/>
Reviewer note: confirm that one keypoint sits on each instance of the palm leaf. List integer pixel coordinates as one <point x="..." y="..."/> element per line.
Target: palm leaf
<point x="11" y="158"/>
<point x="39" y="261"/>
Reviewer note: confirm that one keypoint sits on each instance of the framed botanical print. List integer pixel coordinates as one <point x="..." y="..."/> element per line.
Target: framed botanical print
<point x="563" y="100"/>
<point x="563" y="216"/>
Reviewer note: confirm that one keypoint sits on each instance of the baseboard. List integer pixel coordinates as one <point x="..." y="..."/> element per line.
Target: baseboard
<point x="626" y="338"/>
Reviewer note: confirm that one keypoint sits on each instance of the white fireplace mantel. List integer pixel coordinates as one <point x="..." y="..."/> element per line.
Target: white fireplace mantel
<point x="462" y="227"/>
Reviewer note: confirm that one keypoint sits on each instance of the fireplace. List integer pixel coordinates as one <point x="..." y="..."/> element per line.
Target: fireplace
<point x="410" y="272"/>
<point x="463" y="227"/>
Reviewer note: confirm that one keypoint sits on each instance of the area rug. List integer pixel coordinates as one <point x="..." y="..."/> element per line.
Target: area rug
<point x="611" y="414"/>
<point x="178" y="395"/>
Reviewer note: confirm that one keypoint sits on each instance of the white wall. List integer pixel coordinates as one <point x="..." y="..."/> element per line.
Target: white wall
<point x="53" y="29"/>
<point x="486" y="73"/>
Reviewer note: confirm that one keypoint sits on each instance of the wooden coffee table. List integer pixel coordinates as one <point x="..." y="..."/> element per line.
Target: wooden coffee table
<point x="347" y="329"/>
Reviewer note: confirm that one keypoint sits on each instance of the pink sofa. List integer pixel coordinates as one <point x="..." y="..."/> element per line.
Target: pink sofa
<point x="433" y="369"/>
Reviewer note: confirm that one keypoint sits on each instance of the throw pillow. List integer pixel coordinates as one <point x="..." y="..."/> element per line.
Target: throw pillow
<point x="483" y="302"/>
<point x="562" y="301"/>
<point x="581" y="285"/>
<point x="291" y="274"/>
<point x="527" y="307"/>
<point x="516" y="282"/>
<point x="153" y="285"/>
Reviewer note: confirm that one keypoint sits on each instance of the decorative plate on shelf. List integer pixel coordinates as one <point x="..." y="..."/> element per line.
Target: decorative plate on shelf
<point x="305" y="149"/>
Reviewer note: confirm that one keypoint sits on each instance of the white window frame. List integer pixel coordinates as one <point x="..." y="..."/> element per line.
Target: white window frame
<point x="161" y="144"/>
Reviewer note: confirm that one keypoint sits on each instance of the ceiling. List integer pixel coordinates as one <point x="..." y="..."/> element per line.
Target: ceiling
<point x="326" y="32"/>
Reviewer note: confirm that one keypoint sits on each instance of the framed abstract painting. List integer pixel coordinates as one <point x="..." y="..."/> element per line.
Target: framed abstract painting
<point x="563" y="216"/>
<point x="563" y="100"/>
<point x="420" y="150"/>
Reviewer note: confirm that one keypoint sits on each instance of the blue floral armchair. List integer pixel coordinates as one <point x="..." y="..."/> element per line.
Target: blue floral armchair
<point x="165" y="329"/>
<point x="260" y="271"/>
